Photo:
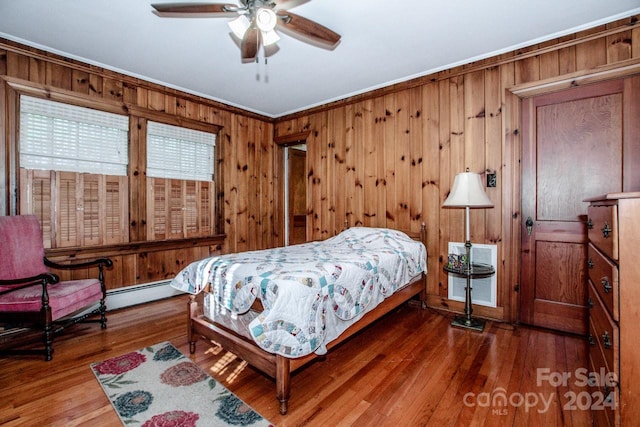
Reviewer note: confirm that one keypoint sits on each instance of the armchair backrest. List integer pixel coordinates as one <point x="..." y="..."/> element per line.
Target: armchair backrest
<point x="21" y="247"/>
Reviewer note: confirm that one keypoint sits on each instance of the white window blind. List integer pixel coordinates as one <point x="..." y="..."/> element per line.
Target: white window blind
<point x="179" y="153"/>
<point x="63" y="137"/>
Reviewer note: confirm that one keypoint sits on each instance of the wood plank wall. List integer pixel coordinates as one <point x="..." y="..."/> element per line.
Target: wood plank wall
<point x="388" y="157"/>
<point x="384" y="158"/>
<point x="245" y="143"/>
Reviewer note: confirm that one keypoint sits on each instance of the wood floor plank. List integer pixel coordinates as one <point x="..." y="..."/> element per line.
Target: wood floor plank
<point x="574" y="355"/>
<point x="498" y="361"/>
<point x="409" y="368"/>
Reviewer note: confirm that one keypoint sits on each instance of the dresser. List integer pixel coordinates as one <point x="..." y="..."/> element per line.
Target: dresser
<point x="613" y="264"/>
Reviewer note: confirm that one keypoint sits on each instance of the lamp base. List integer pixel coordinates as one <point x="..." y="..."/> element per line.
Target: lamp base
<point x="468" y="323"/>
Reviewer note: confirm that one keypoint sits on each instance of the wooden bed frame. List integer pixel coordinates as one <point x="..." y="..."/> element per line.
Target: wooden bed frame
<point x="280" y="367"/>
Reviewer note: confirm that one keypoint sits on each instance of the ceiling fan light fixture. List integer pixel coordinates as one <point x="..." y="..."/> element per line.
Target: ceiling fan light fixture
<point x="266" y="19"/>
<point x="269" y="37"/>
<point x="239" y="26"/>
<point x="254" y="27"/>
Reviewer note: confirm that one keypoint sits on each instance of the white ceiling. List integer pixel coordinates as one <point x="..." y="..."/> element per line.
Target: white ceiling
<point x="383" y="42"/>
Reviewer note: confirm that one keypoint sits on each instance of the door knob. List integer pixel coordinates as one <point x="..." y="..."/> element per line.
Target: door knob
<point x="529" y="225"/>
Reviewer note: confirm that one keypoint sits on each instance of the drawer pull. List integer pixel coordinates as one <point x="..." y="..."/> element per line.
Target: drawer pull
<point x="590" y="302"/>
<point x="606" y="286"/>
<point x="606" y="230"/>
<point x="590" y="263"/>
<point x="605" y="340"/>
<point x="589" y="224"/>
<point x="592" y="341"/>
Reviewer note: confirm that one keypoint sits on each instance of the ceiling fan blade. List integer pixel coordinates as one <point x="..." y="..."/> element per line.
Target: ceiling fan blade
<point x="250" y="45"/>
<point x="195" y="8"/>
<point x="309" y="29"/>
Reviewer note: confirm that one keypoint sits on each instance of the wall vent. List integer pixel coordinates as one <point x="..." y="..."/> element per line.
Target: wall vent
<point x="483" y="291"/>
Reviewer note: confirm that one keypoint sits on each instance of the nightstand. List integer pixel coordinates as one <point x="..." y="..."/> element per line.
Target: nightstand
<point x="476" y="271"/>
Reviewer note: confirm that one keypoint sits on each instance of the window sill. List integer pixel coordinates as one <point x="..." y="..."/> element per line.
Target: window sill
<point x="134" y="247"/>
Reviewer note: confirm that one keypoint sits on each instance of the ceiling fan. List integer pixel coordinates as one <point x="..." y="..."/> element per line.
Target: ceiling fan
<point x="256" y="22"/>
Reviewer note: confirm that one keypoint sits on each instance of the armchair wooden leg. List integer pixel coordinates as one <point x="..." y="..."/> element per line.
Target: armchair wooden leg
<point x="103" y="305"/>
<point x="103" y="314"/>
<point x="48" y="328"/>
<point x="48" y="341"/>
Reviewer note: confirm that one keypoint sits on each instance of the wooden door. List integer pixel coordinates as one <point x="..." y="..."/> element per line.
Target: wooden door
<point x="572" y="149"/>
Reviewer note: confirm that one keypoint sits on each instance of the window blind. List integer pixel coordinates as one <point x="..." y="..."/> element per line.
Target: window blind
<point x="179" y="153"/>
<point x="63" y="137"/>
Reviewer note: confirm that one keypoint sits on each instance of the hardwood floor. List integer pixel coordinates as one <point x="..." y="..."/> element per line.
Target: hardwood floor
<point x="411" y="368"/>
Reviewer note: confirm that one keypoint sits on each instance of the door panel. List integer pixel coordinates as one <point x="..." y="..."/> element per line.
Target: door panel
<point x="579" y="154"/>
<point x="555" y="285"/>
<point x="572" y="149"/>
<point x="558" y="300"/>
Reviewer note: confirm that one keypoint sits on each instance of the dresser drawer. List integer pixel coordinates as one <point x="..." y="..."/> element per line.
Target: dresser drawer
<point x="603" y="229"/>
<point x="596" y="356"/>
<point x="605" y="399"/>
<point x="604" y="331"/>
<point x="604" y="276"/>
<point x="596" y="352"/>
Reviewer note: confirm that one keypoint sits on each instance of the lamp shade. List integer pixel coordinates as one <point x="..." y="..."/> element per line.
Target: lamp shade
<point x="467" y="191"/>
<point x="269" y="37"/>
<point x="239" y="26"/>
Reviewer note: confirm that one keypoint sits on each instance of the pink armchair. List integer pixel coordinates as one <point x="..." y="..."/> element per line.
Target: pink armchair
<point x="32" y="296"/>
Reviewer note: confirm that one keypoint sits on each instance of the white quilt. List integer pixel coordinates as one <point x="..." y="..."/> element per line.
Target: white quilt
<point x="310" y="292"/>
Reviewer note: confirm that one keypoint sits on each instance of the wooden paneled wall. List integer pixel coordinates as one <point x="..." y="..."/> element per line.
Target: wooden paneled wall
<point x="388" y="157"/>
<point x="245" y="146"/>
<point x="384" y="158"/>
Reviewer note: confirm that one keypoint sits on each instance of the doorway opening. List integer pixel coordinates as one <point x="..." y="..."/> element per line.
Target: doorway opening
<point x="295" y="197"/>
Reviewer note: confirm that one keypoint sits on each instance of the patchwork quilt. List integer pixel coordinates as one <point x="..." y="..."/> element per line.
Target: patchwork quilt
<point x="310" y="292"/>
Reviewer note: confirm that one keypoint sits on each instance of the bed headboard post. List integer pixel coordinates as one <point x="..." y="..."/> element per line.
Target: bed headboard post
<point x="346" y="223"/>
<point x="423" y="233"/>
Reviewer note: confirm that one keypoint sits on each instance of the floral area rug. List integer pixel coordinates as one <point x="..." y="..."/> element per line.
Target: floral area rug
<point x="159" y="386"/>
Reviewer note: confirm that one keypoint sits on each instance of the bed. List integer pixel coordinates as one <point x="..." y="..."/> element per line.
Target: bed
<point x="278" y="309"/>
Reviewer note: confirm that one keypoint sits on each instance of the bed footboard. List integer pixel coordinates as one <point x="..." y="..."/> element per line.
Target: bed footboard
<point x="276" y="366"/>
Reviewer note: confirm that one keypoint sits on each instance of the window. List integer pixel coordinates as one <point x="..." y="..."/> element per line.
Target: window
<point x="180" y="182"/>
<point x="73" y="172"/>
<point x="180" y="153"/>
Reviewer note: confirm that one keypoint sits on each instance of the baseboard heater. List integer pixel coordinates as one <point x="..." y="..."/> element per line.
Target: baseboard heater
<point x="139" y="294"/>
